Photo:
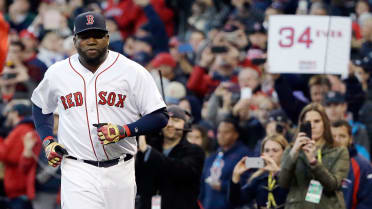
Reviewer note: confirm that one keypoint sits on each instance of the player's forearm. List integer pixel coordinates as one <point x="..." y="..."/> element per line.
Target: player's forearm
<point x="43" y="122"/>
<point x="149" y="123"/>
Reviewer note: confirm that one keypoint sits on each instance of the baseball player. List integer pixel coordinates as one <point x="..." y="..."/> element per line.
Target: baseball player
<point x="100" y="96"/>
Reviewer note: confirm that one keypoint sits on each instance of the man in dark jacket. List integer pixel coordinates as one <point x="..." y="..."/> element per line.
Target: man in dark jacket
<point x="357" y="188"/>
<point x="170" y="174"/>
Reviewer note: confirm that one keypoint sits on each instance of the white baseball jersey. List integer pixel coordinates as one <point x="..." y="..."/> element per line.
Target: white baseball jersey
<point x="118" y="92"/>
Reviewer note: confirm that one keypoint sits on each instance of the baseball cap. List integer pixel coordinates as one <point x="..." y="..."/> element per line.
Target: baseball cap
<point x="22" y="109"/>
<point x="174" y="91"/>
<point x="365" y="63"/>
<point x="334" y="97"/>
<point x="256" y="27"/>
<point x="278" y="116"/>
<point x="175" y="111"/>
<point x="89" y="21"/>
<point x="27" y="34"/>
<point x="163" y="59"/>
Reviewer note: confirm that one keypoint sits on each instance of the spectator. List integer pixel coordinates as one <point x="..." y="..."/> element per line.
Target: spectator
<point x="207" y="14"/>
<point x="314" y="159"/>
<point x="20" y="165"/>
<point x="336" y="109"/>
<point x="35" y="67"/>
<point x="198" y="135"/>
<point x="293" y="104"/>
<point x="14" y="81"/>
<point x="261" y="186"/>
<point x="366" y="29"/>
<point x="279" y="123"/>
<point x="318" y="8"/>
<point x="19" y="16"/>
<point x="244" y="12"/>
<point x="357" y="187"/>
<point x="225" y="62"/>
<point x="176" y="167"/>
<point x="142" y="49"/>
<point x="166" y="63"/>
<point x="51" y="49"/>
<point x="219" y="166"/>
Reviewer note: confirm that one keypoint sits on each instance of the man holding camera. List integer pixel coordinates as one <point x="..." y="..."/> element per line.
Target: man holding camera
<point x="169" y="176"/>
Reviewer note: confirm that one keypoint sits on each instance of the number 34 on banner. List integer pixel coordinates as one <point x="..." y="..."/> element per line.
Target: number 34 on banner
<point x="309" y="44"/>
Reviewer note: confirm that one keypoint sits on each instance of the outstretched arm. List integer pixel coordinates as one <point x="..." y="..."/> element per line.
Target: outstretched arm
<point x="150" y="123"/>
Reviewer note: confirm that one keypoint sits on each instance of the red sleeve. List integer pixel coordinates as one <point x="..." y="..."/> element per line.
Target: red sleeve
<point x="11" y="149"/>
<point x="199" y="81"/>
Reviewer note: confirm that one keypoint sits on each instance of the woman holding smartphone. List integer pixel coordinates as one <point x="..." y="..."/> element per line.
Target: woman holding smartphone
<point x="313" y="168"/>
<point x="262" y="185"/>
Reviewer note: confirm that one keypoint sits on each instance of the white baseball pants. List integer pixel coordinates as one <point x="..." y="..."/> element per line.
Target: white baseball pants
<point x="85" y="186"/>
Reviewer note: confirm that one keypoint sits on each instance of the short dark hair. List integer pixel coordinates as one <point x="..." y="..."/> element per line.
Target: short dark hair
<point x="19" y="44"/>
<point x="343" y="123"/>
<point x="319" y="80"/>
<point x="232" y="120"/>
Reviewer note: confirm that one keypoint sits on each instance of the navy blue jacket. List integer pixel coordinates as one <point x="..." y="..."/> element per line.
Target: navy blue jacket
<point x="211" y="198"/>
<point x="256" y="190"/>
<point x="357" y="188"/>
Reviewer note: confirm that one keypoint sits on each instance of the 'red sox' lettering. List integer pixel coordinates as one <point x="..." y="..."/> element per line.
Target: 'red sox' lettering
<point x="76" y="99"/>
<point x="111" y="99"/>
<point x="72" y="100"/>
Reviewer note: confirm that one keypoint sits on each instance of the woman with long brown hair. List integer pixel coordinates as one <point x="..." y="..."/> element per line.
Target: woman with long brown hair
<point x="313" y="168"/>
<point x="261" y="186"/>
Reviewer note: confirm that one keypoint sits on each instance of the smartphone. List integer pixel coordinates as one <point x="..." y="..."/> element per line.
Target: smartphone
<point x="254" y="162"/>
<point x="245" y="93"/>
<point x="306" y="128"/>
<point x="184" y="48"/>
<point x="219" y="49"/>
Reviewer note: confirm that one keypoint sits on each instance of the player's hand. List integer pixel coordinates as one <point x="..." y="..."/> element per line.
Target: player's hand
<point x="110" y="133"/>
<point x="54" y="153"/>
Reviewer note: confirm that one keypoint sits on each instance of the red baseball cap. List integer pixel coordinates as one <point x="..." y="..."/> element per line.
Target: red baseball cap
<point x="27" y="34"/>
<point x="163" y="59"/>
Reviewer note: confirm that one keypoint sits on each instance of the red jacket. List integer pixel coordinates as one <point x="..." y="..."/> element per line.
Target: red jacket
<point x="4" y="29"/>
<point x="20" y="172"/>
<point x="201" y="83"/>
<point x="132" y="16"/>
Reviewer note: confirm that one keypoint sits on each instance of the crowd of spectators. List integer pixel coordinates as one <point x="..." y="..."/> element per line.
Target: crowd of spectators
<point x="208" y="57"/>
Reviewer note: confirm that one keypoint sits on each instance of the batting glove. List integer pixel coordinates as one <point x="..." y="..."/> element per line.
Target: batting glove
<point x="54" y="153"/>
<point x="110" y="133"/>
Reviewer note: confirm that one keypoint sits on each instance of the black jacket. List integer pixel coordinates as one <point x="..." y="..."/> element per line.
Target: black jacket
<point x="175" y="177"/>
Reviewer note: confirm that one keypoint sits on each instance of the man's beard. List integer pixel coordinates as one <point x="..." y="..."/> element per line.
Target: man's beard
<point x="95" y="61"/>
